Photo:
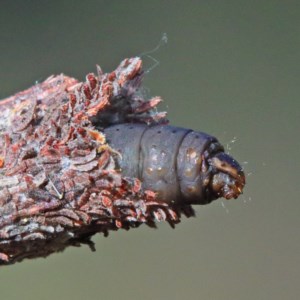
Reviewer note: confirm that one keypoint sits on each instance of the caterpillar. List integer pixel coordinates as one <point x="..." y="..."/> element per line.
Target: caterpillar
<point x="181" y="165"/>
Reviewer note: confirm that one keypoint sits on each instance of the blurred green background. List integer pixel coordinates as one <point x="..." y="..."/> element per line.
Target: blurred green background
<point x="230" y="68"/>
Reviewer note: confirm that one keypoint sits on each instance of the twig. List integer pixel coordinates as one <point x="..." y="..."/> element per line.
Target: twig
<point x="59" y="183"/>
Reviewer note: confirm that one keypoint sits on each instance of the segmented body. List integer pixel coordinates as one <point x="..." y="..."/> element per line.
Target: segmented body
<point x="167" y="159"/>
<point x="175" y="162"/>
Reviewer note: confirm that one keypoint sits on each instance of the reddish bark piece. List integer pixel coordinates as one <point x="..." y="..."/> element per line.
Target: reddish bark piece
<point x="59" y="182"/>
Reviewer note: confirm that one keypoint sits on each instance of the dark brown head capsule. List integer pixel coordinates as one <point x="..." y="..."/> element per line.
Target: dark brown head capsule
<point x="182" y="165"/>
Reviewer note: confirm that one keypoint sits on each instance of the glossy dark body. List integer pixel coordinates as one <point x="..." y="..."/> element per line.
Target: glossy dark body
<point x="167" y="159"/>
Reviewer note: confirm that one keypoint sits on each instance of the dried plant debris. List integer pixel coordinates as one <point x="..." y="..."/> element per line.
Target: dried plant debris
<point x="60" y="180"/>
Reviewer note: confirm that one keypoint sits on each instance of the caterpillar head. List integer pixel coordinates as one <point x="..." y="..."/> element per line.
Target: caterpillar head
<point x="227" y="176"/>
<point x="206" y="172"/>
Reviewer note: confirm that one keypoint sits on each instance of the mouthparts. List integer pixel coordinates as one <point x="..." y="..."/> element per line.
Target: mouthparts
<point x="228" y="178"/>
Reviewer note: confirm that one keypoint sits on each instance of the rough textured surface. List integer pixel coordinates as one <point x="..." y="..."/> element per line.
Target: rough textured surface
<point x="59" y="184"/>
<point x="61" y="181"/>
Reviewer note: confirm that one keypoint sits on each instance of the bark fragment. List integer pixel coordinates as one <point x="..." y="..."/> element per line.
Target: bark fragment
<point x="59" y="182"/>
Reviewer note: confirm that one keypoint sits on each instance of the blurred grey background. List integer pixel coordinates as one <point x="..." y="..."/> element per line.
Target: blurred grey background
<point x="230" y="68"/>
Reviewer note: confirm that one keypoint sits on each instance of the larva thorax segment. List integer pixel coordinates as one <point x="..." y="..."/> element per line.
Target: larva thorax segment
<point x="181" y="165"/>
